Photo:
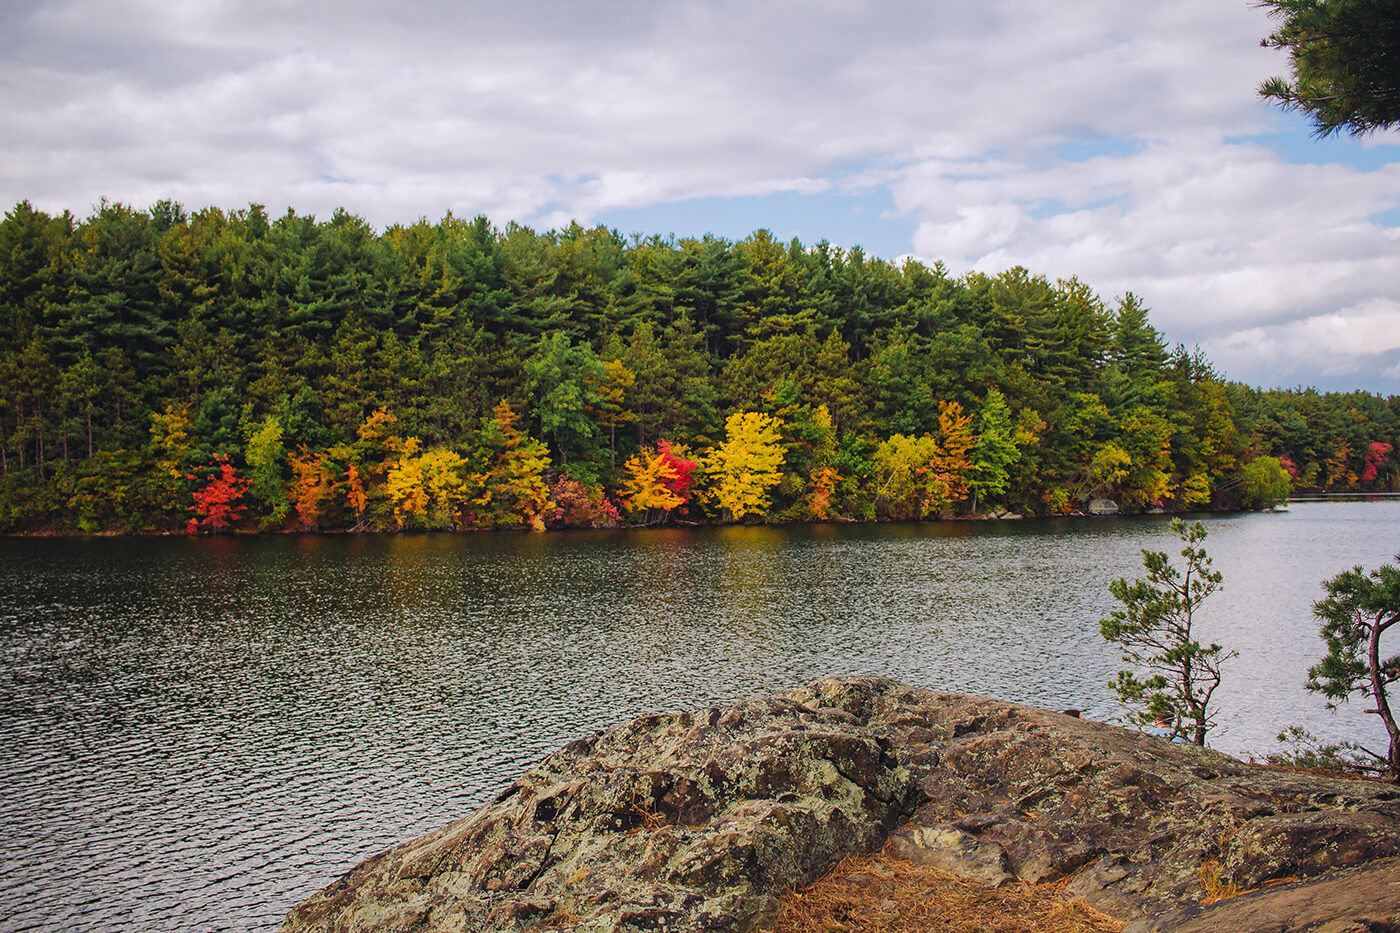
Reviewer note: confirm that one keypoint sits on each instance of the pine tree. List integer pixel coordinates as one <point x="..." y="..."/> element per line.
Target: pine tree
<point x="1156" y="631"/>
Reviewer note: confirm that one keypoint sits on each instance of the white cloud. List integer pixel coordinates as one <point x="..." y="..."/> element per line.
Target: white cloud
<point x="1346" y="346"/>
<point x="714" y="98"/>
<point x="1218" y="238"/>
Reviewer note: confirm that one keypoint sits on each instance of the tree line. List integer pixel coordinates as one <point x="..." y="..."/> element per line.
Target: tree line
<point x="164" y="370"/>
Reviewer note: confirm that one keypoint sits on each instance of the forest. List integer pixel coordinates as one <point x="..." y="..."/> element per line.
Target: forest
<point x="165" y="371"/>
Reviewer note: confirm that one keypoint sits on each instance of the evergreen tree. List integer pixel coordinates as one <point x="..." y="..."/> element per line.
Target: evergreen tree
<point x="1156" y="630"/>
<point x="1345" y="58"/>
<point x="1359" y="609"/>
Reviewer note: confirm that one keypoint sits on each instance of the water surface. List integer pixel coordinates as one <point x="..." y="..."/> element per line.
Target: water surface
<point x="195" y="734"/>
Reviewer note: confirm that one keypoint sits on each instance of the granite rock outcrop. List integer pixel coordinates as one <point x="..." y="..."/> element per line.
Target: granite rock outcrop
<point x="701" y="821"/>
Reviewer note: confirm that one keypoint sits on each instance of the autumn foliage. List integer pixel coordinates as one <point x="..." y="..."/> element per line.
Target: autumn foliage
<point x="657" y="480"/>
<point x="950" y="466"/>
<point x="511" y="491"/>
<point x="577" y="505"/>
<point x="313" y="485"/>
<point x="216" y="502"/>
<point x="744" y="467"/>
<point x="458" y="375"/>
<point x="678" y="471"/>
<point x="1376" y="456"/>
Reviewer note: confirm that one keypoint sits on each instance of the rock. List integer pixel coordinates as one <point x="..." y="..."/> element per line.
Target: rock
<point x="953" y="851"/>
<point x="1103" y="507"/>
<point x="680" y="822"/>
<point x="1372" y="896"/>
<point x="698" y="822"/>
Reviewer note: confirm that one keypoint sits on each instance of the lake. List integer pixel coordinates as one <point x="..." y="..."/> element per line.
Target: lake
<point x="195" y="734"/>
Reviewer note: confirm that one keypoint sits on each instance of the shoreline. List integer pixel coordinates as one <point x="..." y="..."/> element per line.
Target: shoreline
<point x="675" y="524"/>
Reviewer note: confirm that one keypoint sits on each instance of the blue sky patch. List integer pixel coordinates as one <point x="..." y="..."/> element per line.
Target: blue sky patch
<point x="1387" y="218"/>
<point x="1296" y="145"/>
<point x="1045" y="208"/>
<point x="864" y="219"/>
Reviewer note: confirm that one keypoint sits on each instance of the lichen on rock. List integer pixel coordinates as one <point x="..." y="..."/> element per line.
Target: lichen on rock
<point x="700" y="822"/>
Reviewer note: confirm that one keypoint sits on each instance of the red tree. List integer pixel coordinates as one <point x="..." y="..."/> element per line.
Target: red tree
<point x="1375" y="459"/>
<point x="214" y="504"/>
<point x="682" y="469"/>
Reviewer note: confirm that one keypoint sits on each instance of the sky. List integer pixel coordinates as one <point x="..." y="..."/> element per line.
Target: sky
<point x="1121" y="143"/>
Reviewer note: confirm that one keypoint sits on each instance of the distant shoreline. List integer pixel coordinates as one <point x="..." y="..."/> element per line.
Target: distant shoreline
<point x="685" y="524"/>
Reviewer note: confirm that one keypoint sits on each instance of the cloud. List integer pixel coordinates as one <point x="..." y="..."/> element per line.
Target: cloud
<point x="706" y="99"/>
<point x="1104" y="140"/>
<point x="1343" y="347"/>
<point x="1218" y="236"/>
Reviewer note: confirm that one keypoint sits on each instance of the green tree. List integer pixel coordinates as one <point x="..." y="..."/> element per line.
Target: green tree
<point x="1155" y="630"/>
<point x="80" y="386"/>
<point x="1345" y="58"/>
<point x="646" y="396"/>
<point x="565" y="380"/>
<point x="900" y="400"/>
<point x="1263" y="483"/>
<point x="995" y="451"/>
<point x="1359" y="609"/>
<point x="266" y="456"/>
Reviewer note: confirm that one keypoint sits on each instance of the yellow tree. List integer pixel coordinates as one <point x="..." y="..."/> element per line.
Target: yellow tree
<point x="404" y="484"/>
<point x="170" y="437"/>
<point x="647" y="485"/>
<point x="1107" y="468"/>
<point x="426" y="487"/>
<point x="746" y="465"/>
<point x="512" y="490"/>
<point x="375" y="428"/>
<point x="1146" y="437"/>
<point x="902" y="476"/>
<point x="170" y="444"/>
<point x="1338" y="467"/>
<point x="442" y="470"/>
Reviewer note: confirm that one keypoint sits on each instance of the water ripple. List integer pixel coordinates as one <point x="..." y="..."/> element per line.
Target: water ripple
<point x="195" y="735"/>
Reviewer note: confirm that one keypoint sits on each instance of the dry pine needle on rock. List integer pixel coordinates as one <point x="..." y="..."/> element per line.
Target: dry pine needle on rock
<point x="880" y="894"/>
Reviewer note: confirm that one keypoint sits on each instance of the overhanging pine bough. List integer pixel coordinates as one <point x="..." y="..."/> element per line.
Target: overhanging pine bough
<point x="1345" y="58"/>
<point x="1358" y="610"/>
